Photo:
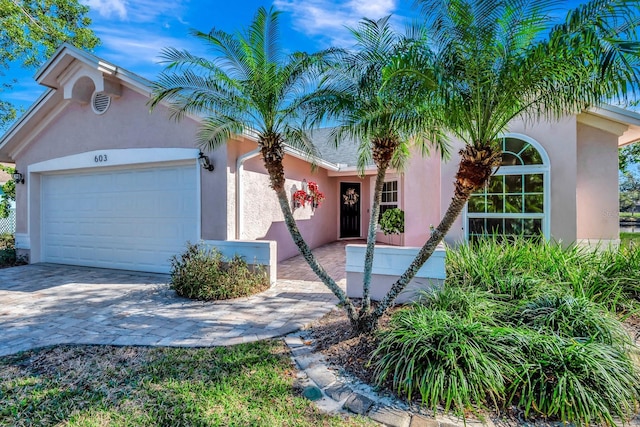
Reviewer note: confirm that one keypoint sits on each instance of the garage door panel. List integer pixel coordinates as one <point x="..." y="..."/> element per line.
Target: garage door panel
<point x="134" y="219"/>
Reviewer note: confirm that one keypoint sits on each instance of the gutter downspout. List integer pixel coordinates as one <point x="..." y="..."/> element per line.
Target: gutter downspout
<point x="239" y="168"/>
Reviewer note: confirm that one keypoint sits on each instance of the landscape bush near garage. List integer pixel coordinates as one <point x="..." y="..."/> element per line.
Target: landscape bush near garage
<point x="202" y="273"/>
<point x="8" y="255"/>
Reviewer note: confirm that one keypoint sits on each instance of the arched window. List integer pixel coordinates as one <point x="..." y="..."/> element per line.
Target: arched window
<point x="516" y="199"/>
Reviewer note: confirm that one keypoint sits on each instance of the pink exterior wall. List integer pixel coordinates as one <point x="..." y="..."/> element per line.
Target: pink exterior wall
<point x="597" y="184"/>
<point x="421" y="198"/>
<point x="263" y="219"/>
<point x="126" y="124"/>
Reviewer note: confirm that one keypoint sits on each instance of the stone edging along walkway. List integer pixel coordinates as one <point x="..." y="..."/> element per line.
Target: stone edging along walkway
<point x="334" y="393"/>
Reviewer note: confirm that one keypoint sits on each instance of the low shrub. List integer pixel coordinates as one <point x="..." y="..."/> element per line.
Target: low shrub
<point x="524" y="269"/>
<point x="8" y="254"/>
<point x="8" y="257"/>
<point x="7" y="241"/>
<point x="465" y="363"/>
<point x="473" y="304"/>
<point x="570" y="317"/>
<point x="201" y="273"/>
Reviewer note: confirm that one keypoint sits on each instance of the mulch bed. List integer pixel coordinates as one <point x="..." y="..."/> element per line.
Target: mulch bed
<point x="333" y="337"/>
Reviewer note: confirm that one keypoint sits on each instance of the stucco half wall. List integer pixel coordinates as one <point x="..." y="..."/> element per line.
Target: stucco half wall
<point x="257" y="254"/>
<point x="390" y="262"/>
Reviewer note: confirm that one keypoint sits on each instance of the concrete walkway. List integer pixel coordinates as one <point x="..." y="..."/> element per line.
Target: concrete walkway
<point x="331" y="257"/>
<point x="46" y="304"/>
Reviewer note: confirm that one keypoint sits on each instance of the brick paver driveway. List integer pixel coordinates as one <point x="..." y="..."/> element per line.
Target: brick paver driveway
<point x="45" y="304"/>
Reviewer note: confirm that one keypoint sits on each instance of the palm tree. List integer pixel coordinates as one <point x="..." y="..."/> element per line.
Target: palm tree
<point x="353" y="95"/>
<point x="497" y="60"/>
<point x="251" y="85"/>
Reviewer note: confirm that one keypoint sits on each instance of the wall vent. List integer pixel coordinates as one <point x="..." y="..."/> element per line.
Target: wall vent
<point x="100" y="102"/>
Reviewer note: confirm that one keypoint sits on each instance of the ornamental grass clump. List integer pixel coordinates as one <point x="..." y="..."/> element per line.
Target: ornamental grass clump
<point x="201" y="273"/>
<point x="578" y="382"/>
<point x="471" y="304"/>
<point x="459" y="363"/>
<point x="572" y="318"/>
<point x="518" y="324"/>
<point x="525" y="268"/>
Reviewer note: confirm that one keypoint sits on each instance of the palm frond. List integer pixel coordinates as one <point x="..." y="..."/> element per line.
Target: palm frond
<point x="215" y="131"/>
<point x="496" y="60"/>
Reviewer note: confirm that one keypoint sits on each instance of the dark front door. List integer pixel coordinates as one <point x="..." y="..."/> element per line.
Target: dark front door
<point x="349" y="209"/>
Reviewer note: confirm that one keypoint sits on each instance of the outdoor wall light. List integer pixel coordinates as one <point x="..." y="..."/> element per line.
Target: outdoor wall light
<point x="204" y="162"/>
<point x="18" y="177"/>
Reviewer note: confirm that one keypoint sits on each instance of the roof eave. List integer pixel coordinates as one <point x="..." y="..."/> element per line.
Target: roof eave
<point x="311" y="159"/>
<point x="5" y="139"/>
<point x="628" y="118"/>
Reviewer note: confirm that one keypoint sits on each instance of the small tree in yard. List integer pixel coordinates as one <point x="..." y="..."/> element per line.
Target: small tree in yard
<point x="497" y="60"/>
<point x="9" y="193"/>
<point x="31" y="31"/>
<point x="353" y="94"/>
<point x="476" y="65"/>
<point x="253" y="84"/>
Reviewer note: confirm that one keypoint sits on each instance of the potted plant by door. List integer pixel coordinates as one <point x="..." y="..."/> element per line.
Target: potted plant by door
<point x="392" y="222"/>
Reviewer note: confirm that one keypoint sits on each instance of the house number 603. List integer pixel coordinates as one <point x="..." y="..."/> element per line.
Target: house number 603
<point x="100" y="158"/>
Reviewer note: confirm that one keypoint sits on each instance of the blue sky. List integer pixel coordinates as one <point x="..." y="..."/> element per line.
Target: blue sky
<point x="134" y="31"/>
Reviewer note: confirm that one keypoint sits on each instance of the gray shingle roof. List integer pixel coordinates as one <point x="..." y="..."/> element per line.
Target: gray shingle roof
<point x="345" y="153"/>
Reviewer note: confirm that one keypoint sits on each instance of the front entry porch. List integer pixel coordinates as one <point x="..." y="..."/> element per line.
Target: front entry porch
<point x="331" y="256"/>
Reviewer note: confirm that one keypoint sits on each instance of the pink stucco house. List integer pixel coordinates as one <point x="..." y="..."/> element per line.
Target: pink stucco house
<point x="109" y="184"/>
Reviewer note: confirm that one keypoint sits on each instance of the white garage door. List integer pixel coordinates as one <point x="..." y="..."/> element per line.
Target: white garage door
<point x="133" y="219"/>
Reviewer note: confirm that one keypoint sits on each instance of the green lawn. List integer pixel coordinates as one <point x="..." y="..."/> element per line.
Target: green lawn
<point x="630" y="215"/>
<point x="244" y="385"/>
<point x="629" y="238"/>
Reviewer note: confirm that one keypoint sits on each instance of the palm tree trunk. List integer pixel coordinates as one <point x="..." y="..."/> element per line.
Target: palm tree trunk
<point x="309" y="257"/>
<point x="371" y="239"/>
<point x="272" y="157"/>
<point x="474" y="170"/>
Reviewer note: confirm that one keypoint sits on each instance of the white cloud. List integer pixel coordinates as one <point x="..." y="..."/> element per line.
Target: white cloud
<point x="373" y="9"/>
<point x="151" y="10"/>
<point x="140" y="11"/>
<point x="107" y="8"/>
<point x="25" y="92"/>
<point x="140" y="52"/>
<point x="328" y="19"/>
